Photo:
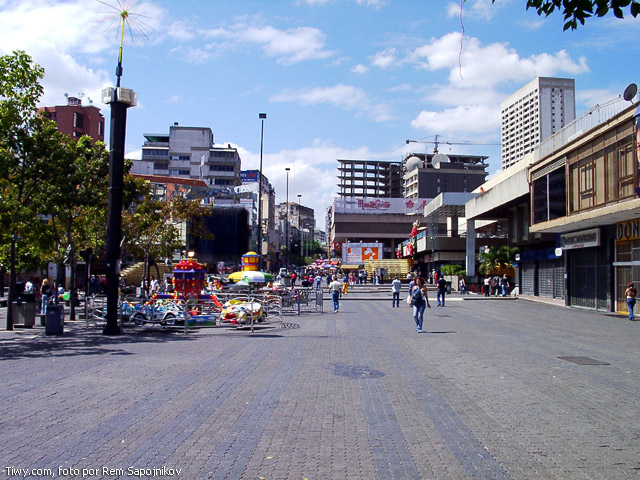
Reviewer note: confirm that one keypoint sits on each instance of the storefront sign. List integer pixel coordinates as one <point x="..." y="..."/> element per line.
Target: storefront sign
<point x="380" y="205"/>
<point x="583" y="239"/>
<point x="629" y="230"/>
<point x="357" y="253"/>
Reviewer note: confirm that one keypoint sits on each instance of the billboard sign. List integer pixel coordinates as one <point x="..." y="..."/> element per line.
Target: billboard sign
<point x="357" y="253"/>
<point x="405" y="206"/>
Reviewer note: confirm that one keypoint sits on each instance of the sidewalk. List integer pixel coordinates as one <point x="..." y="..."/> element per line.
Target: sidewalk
<point x="531" y="391"/>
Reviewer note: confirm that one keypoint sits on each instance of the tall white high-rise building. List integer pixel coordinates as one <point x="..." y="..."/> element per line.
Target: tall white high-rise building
<point x="534" y="113"/>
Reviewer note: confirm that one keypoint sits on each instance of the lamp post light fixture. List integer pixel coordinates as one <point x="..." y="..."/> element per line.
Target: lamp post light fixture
<point x="262" y="117"/>
<point x="119" y="99"/>
<point x="300" y="227"/>
<point x="286" y="225"/>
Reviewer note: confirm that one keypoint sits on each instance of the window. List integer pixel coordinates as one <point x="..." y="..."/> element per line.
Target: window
<point x="100" y="128"/>
<point x="625" y="171"/>
<point x="180" y="157"/>
<point x="549" y="196"/>
<point x="78" y="120"/>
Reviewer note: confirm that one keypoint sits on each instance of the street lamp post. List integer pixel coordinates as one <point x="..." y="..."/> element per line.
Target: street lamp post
<point x="262" y="117"/>
<point x="300" y="227"/>
<point x="286" y="225"/>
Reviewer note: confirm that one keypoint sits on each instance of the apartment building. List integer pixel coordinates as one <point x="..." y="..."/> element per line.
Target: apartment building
<point x="75" y="119"/>
<point x="533" y="114"/>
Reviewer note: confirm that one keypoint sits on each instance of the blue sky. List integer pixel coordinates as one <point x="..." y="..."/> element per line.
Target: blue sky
<point x="337" y="78"/>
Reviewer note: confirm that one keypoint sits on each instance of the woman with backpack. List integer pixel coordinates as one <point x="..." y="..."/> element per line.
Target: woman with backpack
<point x="419" y="301"/>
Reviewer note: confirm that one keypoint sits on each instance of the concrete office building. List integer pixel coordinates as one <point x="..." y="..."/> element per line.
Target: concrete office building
<point x="533" y="114"/>
<point x="428" y="175"/>
<point x="190" y="152"/>
<point x="369" y="178"/>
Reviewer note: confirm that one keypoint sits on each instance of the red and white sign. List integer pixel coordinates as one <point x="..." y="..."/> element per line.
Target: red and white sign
<point x="357" y="253"/>
<point x="380" y="205"/>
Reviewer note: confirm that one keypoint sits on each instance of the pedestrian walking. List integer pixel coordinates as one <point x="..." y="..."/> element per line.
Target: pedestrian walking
<point x="487" y="285"/>
<point x="395" y="290"/>
<point x="419" y="301"/>
<point x="334" y="288"/>
<point x="46" y="296"/>
<point x="504" y="284"/>
<point x="345" y="285"/>
<point x="442" y="290"/>
<point x="631" y="293"/>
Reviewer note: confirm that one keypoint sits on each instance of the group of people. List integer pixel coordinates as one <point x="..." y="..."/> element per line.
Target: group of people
<point x="496" y="285"/>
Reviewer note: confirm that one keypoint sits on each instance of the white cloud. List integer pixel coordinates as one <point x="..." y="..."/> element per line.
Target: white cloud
<point x="464" y="118"/>
<point x="289" y="46"/>
<point x="477" y="65"/>
<point x="193" y="55"/>
<point x="482" y="9"/>
<point x="360" y="68"/>
<point x="346" y="97"/>
<point x="180" y="31"/>
<point x="385" y="58"/>
<point x="174" y="99"/>
<point x="592" y="97"/>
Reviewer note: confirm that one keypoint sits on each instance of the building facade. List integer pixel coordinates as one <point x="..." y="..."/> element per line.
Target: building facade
<point x="269" y="243"/>
<point x="533" y="114"/>
<point x="428" y="175"/>
<point x="586" y="194"/>
<point x="76" y="120"/>
<point x="190" y="152"/>
<point x="369" y="178"/>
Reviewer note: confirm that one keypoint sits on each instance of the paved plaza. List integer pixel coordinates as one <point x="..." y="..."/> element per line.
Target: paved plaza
<point x="482" y="394"/>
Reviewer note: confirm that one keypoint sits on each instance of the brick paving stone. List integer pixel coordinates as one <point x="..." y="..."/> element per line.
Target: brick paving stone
<point x="355" y="395"/>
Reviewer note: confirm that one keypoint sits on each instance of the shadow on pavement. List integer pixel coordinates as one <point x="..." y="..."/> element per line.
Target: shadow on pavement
<point x="86" y="341"/>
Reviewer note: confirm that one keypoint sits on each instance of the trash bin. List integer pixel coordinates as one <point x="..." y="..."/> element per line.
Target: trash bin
<point x="24" y="313"/>
<point x="448" y="288"/>
<point x="53" y="324"/>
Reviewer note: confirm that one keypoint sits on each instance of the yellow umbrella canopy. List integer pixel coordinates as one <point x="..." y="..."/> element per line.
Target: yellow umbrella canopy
<point x="251" y="277"/>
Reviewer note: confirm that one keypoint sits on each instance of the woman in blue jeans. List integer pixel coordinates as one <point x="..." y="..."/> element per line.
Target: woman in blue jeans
<point x="631" y="293"/>
<point x="420" y="301"/>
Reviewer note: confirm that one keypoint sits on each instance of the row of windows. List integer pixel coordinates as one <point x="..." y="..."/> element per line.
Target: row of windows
<point x="152" y="152"/>
<point x="221" y="168"/>
<point x="180" y="157"/>
<point x="605" y="176"/>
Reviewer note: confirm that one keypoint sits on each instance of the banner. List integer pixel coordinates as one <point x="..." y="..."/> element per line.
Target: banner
<point x="404" y="206"/>
<point x="357" y="253"/>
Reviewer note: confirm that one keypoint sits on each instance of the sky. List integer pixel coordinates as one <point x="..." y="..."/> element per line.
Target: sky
<point x="338" y="79"/>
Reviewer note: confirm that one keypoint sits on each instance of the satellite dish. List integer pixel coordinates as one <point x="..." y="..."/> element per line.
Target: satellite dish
<point x="438" y="159"/>
<point x="413" y="163"/>
<point x="630" y="92"/>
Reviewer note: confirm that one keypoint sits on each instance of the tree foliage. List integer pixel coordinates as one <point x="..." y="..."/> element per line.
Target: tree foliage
<point x="577" y="11"/>
<point x="497" y="258"/>
<point x="453" y="269"/>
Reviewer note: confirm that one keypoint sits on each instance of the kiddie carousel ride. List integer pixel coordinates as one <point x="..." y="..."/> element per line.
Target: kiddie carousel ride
<point x="245" y="310"/>
<point x="169" y="308"/>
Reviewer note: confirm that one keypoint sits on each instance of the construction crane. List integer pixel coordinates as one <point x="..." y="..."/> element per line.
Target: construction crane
<point x="437" y="142"/>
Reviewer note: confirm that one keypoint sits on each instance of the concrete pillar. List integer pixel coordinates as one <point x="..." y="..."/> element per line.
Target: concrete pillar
<point x="471" y="248"/>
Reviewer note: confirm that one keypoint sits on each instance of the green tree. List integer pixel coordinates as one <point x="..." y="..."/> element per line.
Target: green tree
<point x="496" y="258"/>
<point x="453" y="270"/>
<point x="577" y="11"/>
<point x="76" y="201"/>
<point x="27" y="147"/>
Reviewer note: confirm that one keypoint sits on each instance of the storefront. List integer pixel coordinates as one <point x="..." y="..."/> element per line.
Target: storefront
<point x="589" y="263"/>
<point x="627" y="261"/>
<point x="541" y="273"/>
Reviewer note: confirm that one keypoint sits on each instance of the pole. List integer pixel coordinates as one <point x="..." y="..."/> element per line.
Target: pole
<point x="262" y="116"/>
<point x="114" y="222"/>
<point x="286" y="225"/>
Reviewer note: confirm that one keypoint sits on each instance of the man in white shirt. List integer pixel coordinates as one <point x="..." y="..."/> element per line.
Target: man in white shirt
<point x="395" y="289"/>
<point x="335" y="287"/>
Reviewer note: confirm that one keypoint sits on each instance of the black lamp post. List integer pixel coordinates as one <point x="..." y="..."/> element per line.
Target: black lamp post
<point x="120" y="99"/>
<point x="262" y="117"/>
<point x="286" y="225"/>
